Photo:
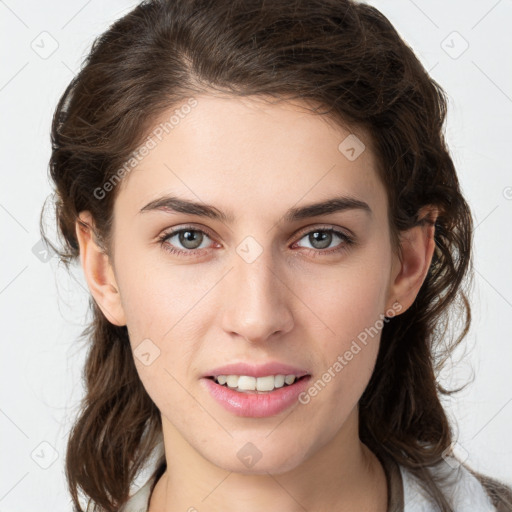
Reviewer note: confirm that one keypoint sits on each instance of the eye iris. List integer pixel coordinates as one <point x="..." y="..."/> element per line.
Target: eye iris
<point x="189" y="239"/>
<point x="192" y="238"/>
<point x="325" y="239"/>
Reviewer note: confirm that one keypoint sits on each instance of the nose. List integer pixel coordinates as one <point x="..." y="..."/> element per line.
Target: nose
<point x="257" y="300"/>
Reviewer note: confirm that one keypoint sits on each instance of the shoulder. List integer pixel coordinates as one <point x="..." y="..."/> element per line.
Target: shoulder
<point x="499" y="493"/>
<point x="139" y="501"/>
<point x="464" y="489"/>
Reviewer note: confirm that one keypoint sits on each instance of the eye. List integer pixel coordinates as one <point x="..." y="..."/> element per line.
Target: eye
<point x="321" y="239"/>
<point x="190" y="238"/>
<point x="194" y="240"/>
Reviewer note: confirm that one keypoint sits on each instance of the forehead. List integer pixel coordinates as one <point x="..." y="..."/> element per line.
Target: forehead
<point x="245" y="153"/>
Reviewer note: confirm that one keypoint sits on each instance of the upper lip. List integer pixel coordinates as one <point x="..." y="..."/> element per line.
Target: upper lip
<point x="251" y="370"/>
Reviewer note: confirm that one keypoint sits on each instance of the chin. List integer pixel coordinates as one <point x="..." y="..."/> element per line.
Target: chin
<point x="251" y="460"/>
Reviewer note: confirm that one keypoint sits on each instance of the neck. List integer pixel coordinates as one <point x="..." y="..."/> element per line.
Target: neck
<point x="343" y="475"/>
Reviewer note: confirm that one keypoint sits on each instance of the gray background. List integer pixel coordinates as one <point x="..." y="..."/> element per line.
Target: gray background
<point x="466" y="45"/>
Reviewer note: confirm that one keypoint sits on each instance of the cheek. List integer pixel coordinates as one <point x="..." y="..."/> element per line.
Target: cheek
<point x="348" y="299"/>
<point x="156" y="299"/>
<point x="162" y="384"/>
<point x="166" y="321"/>
<point x="350" y="302"/>
<point x="348" y="349"/>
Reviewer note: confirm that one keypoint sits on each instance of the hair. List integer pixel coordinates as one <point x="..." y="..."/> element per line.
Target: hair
<point x="347" y="62"/>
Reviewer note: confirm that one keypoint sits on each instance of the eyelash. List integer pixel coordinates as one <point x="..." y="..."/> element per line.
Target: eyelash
<point x="347" y="242"/>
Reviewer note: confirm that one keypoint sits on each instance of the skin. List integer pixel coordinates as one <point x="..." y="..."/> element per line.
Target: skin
<point x="256" y="160"/>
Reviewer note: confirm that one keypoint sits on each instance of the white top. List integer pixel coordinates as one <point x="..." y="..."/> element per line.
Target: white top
<point x="463" y="490"/>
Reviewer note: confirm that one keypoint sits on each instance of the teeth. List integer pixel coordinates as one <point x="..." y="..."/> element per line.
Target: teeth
<point x="289" y="379"/>
<point x="247" y="383"/>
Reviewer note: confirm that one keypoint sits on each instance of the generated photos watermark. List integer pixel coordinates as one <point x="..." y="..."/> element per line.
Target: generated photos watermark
<point x="145" y="148"/>
<point x="344" y="359"/>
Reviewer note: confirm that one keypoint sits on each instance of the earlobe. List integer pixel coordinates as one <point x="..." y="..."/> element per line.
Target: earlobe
<point x="417" y="247"/>
<point x="98" y="271"/>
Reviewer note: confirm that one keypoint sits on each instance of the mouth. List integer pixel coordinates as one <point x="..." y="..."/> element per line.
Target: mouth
<point x="257" y="385"/>
<point x="256" y="397"/>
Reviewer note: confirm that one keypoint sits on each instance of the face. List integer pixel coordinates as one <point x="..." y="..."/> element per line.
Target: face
<point x="258" y="285"/>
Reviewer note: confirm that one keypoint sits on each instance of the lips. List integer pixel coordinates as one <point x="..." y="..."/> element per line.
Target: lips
<point x="255" y="405"/>
<point x="263" y="370"/>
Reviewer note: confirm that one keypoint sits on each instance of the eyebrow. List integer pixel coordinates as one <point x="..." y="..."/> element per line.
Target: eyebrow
<point x="336" y="204"/>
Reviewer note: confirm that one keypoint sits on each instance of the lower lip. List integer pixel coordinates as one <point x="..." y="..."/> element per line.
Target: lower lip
<point x="256" y="405"/>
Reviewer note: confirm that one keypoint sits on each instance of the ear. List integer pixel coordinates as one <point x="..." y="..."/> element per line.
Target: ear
<point x="98" y="271"/>
<point x="411" y="266"/>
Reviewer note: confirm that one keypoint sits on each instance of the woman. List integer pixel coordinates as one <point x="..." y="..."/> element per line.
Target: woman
<point x="273" y="234"/>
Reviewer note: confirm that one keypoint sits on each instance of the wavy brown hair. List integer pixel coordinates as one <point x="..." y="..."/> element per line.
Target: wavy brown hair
<point x="347" y="62"/>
